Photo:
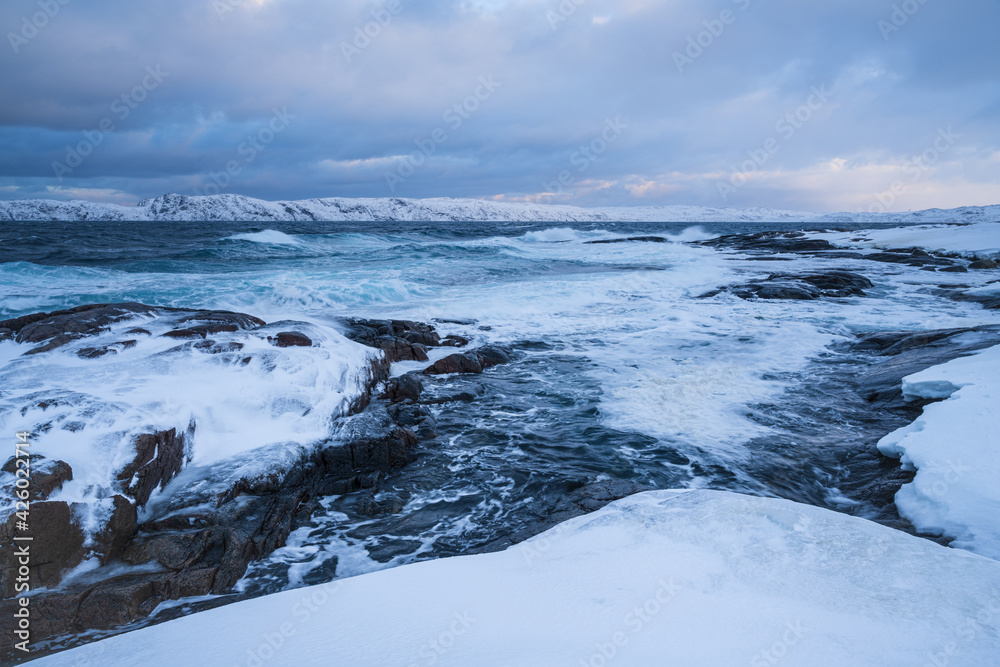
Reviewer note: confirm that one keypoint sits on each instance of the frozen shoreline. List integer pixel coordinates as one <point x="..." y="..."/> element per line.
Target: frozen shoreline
<point x="686" y="578"/>
<point x="230" y="207"/>
<point x="955" y="449"/>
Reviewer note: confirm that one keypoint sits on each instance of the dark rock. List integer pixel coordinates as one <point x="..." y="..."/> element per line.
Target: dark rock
<point x="455" y="341"/>
<point x="404" y="387"/>
<point x="418" y="418"/>
<point x="631" y="239"/>
<point x="770" y="241"/>
<point x="584" y="499"/>
<point x="114" y="348"/>
<point x="909" y="352"/>
<point x="475" y="361"/>
<point x="844" y="283"/>
<point x="110" y="542"/>
<point x="833" y="284"/>
<point x="61" y="327"/>
<point x="108" y="604"/>
<point x="202" y="331"/>
<point x="467" y="323"/>
<point x="957" y="268"/>
<point x="159" y="458"/>
<point x="400" y="349"/>
<point x="47" y="475"/>
<point x="74" y="322"/>
<point x="401" y="340"/>
<point x="365" y="505"/>
<point x="984" y="264"/>
<point x="292" y="339"/>
<point x="788" y="291"/>
<point x="6" y="334"/>
<point x="223" y="319"/>
<point x="56" y="546"/>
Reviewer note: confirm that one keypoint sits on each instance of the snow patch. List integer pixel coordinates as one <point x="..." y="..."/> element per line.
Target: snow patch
<point x="678" y="578"/>
<point x="955" y="449"/>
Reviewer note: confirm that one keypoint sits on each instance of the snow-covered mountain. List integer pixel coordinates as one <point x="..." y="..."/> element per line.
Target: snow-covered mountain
<point x="230" y="207"/>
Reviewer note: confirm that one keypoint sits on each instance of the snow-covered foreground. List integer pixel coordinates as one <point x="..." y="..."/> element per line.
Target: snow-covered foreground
<point x="955" y="448"/>
<point x="229" y="207"/>
<point x="663" y="578"/>
<point x="980" y="240"/>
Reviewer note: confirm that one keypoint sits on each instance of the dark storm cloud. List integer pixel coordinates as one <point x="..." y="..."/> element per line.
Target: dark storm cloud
<point x="706" y="90"/>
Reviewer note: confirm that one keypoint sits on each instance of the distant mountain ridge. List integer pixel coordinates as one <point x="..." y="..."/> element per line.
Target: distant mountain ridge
<point x="229" y="207"/>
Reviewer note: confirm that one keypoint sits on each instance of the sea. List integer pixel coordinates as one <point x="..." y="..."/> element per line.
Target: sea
<point x="621" y="371"/>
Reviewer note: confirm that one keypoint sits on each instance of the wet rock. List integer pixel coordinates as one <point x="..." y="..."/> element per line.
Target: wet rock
<point x="400" y="349"/>
<point x="466" y="323"/>
<point x="98" y="352"/>
<point x="957" y="268"/>
<point x="47" y="475"/>
<point x="110" y="603"/>
<point x="159" y="458"/>
<point x="418" y="418"/>
<point x="61" y="327"/>
<point x="56" y="546"/>
<point x="804" y="287"/>
<point x="978" y="264"/>
<point x="909" y="352"/>
<point x="475" y="361"/>
<point x="402" y="388"/>
<point x="74" y="322"/>
<point x="219" y="318"/>
<point x="291" y="339"/>
<point x="770" y="242"/>
<point x="366" y="505"/>
<point x="401" y="340"/>
<point x="631" y="239"/>
<point x="6" y="334"/>
<point x="202" y="331"/>
<point x="111" y="541"/>
<point x="585" y="498"/>
<point x="455" y="341"/>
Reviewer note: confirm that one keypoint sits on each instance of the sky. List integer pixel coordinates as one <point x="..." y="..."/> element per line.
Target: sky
<point x="853" y="105"/>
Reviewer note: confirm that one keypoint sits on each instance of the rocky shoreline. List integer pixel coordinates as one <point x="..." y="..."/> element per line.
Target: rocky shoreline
<point x="201" y="541"/>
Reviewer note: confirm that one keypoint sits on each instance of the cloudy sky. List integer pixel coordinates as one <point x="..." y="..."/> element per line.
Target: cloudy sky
<point x="835" y="105"/>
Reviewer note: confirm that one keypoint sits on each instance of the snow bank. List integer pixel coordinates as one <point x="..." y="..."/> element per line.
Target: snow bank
<point x="663" y="578"/>
<point x="229" y="207"/>
<point x="87" y="412"/>
<point x="980" y="240"/>
<point x="955" y="449"/>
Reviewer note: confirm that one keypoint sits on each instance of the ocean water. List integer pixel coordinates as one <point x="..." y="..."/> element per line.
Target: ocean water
<point x="621" y="371"/>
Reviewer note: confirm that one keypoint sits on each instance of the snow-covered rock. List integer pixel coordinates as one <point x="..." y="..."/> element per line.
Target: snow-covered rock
<point x="663" y="578"/>
<point x="229" y="207"/>
<point x="978" y="240"/>
<point x="955" y="449"/>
